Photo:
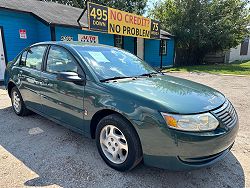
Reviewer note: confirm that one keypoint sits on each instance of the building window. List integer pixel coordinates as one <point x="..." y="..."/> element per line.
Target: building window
<point x="163" y="47"/>
<point x="118" y="41"/>
<point x="244" y="47"/>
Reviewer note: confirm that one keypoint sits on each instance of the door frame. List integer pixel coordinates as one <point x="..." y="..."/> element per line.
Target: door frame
<point x="136" y="45"/>
<point x="4" y="44"/>
<point x="4" y="49"/>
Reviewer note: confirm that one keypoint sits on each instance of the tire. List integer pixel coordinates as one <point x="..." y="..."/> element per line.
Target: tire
<point x="124" y="143"/>
<point x="17" y="103"/>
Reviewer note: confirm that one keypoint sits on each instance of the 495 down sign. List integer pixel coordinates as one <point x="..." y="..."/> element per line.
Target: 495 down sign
<point x="114" y="21"/>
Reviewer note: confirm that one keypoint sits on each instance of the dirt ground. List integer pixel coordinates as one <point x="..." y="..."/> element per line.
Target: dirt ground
<point x="37" y="152"/>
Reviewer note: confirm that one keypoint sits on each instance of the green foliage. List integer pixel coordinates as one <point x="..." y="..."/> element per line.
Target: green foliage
<point x="133" y="6"/>
<point x="235" y="68"/>
<point x="203" y="26"/>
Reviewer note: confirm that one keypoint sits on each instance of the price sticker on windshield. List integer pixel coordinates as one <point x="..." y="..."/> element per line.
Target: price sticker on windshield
<point x="99" y="57"/>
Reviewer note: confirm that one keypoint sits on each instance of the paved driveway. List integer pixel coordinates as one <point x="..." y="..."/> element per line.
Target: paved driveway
<point x="37" y="152"/>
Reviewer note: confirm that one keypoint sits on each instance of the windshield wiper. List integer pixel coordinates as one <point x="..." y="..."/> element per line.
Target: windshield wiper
<point x="124" y="77"/>
<point x="115" y="78"/>
<point x="149" y="74"/>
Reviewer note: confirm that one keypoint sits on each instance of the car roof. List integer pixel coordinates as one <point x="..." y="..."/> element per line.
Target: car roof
<point x="71" y="44"/>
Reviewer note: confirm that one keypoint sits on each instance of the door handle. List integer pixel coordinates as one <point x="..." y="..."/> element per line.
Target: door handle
<point x="20" y="74"/>
<point x="45" y="80"/>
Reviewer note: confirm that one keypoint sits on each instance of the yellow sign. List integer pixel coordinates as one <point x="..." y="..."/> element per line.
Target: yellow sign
<point x="123" y="23"/>
<point x="118" y="22"/>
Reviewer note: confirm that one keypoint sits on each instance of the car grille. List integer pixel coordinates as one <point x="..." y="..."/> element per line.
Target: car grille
<point x="226" y="114"/>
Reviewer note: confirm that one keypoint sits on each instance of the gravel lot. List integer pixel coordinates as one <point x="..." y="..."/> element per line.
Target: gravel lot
<point x="37" y="152"/>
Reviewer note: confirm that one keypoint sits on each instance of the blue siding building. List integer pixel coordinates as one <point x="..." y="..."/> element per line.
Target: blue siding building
<point x="152" y="53"/>
<point x="26" y="22"/>
<point x="11" y="22"/>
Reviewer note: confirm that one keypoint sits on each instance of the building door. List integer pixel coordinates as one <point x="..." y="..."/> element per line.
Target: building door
<point x="140" y="48"/>
<point x="2" y="56"/>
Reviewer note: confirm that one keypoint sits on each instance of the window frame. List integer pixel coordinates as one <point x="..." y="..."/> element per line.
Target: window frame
<point x="162" y="46"/>
<point x="26" y="51"/>
<point x="244" y="46"/>
<point x="122" y="41"/>
<point x="17" y="60"/>
<point x="44" y="68"/>
<point x="22" y="63"/>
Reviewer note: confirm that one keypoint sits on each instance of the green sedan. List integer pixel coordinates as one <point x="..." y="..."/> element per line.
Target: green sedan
<point x="135" y="113"/>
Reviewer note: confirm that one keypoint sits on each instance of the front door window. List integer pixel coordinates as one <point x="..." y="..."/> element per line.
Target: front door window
<point x="34" y="57"/>
<point x="60" y="60"/>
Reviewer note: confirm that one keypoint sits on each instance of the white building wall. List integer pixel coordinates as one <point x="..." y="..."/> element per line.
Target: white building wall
<point x="235" y="54"/>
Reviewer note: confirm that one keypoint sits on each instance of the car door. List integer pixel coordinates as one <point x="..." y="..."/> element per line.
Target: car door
<point x="29" y="76"/>
<point x="62" y="100"/>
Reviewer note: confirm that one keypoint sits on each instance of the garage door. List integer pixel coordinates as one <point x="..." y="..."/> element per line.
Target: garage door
<point x="2" y="56"/>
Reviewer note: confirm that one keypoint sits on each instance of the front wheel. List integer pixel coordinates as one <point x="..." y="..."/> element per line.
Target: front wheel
<point x="118" y="143"/>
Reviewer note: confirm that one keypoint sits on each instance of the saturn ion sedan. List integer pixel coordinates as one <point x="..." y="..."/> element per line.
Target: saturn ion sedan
<point x="134" y="112"/>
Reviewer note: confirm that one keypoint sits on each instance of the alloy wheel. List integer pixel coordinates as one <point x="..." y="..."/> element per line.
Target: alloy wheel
<point x="114" y="144"/>
<point x="16" y="101"/>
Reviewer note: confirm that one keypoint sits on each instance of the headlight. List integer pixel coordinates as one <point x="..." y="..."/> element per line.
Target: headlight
<point x="199" y="122"/>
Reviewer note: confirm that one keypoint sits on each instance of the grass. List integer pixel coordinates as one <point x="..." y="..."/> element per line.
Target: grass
<point x="235" y="68"/>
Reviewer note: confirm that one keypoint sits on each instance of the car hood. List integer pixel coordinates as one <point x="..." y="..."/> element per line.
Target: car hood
<point x="175" y="94"/>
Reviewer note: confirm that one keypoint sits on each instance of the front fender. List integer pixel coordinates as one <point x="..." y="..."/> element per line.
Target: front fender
<point x="99" y="97"/>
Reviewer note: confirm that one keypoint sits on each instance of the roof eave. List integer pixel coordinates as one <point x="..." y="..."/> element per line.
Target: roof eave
<point x="27" y="12"/>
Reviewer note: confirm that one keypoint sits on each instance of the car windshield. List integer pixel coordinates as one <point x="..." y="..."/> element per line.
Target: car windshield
<point x="111" y="63"/>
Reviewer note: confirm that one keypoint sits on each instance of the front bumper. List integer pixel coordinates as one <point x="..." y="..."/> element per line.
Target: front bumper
<point x="180" y="163"/>
<point x="177" y="150"/>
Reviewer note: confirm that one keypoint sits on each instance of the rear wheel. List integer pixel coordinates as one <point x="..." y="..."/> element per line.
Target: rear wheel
<point x="17" y="103"/>
<point x="118" y="143"/>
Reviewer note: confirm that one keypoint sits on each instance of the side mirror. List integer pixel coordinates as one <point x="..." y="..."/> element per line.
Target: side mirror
<point x="71" y="77"/>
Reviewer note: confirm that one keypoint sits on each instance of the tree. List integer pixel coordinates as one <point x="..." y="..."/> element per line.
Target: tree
<point x="203" y="26"/>
<point x="133" y="6"/>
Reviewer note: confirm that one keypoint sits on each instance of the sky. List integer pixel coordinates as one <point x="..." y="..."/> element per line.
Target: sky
<point x="151" y="2"/>
<point x="150" y="5"/>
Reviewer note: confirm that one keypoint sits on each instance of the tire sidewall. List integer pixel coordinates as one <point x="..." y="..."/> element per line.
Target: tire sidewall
<point x="130" y="136"/>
